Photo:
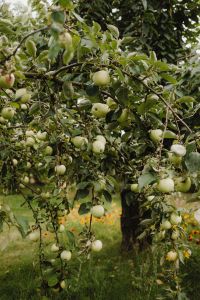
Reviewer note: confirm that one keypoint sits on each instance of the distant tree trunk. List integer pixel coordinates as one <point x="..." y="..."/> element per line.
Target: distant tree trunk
<point x="129" y="219"/>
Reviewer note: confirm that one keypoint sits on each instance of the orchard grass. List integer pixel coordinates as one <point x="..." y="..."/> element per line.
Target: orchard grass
<point x="108" y="275"/>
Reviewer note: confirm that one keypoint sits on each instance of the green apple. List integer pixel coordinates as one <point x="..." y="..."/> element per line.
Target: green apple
<point x="29" y="133"/>
<point x="48" y="150"/>
<point x="101" y="78"/>
<point x="7" y="81"/>
<point x="161" y="235"/>
<point x="22" y="95"/>
<point x="175" y="219"/>
<point x="63" y="284"/>
<point x="96" y="246"/>
<point x="79" y="141"/>
<point x="34" y="236"/>
<point x="165" y="225"/>
<point x="124" y="116"/>
<point x="172" y="255"/>
<point x="98" y="147"/>
<point x="101" y="138"/>
<point x="41" y="135"/>
<point x="65" y="40"/>
<point x="8" y="113"/>
<point x="54" y="248"/>
<point x="135" y="187"/>
<point x="15" y="162"/>
<point x="100" y="110"/>
<point x="60" y="169"/>
<point x="30" y="141"/>
<point x="178" y="149"/>
<point x="28" y="165"/>
<point x="165" y="185"/>
<point x="25" y="179"/>
<point x="174" y="159"/>
<point x="2" y="120"/>
<point x="61" y="228"/>
<point x="156" y="135"/>
<point x="97" y="211"/>
<point x="183" y="184"/>
<point x="24" y="106"/>
<point x="175" y="235"/>
<point x="66" y="255"/>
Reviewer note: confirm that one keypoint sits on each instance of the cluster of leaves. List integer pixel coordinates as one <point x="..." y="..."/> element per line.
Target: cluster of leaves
<point x="53" y="101"/>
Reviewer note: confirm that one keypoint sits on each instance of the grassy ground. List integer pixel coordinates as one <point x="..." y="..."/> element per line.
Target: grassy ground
<point x="108" y="275"/>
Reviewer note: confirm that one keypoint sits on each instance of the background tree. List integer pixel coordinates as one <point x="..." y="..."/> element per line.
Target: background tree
<point x="162" y="26"/>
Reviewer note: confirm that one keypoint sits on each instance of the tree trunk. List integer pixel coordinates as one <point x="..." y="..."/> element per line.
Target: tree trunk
<point x="129" y="219"/>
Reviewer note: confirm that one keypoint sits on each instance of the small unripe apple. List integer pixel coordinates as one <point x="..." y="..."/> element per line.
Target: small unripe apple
<point x="7" y="81"/>
<point x="65" y="40"/>
<point x="66" y="255"/>
<point x="98" y="147"/>
<point x="15" y="162"/>
<point x="100" y="110"/>
<point x="175" y="235"/>
<point x="61" y="228"/>
<point x="29" y="133"/>
<point x="28" y="165"/>
<point x="101" y="138"/>
<point x="135" y="187"/>
<point x="41" y="135"/>
<point x="60" y="169"/>
<point x="175" y="219"/>
<point x="174" y="159"/>
<point x="171" y="255"/>
<point x="8" y="113"/>
<point x="165" y="225"/>
<point x="30" y="141"/>
<point x="2" y="120"/>
<point x="101" y="78"/>
<point x="45" y="195"/>
<point x="63" y="284"/>
<point x="48" y="150"/>
<point x="22" y="95"/>
<point x="166" y="185"/>
<point x="34" y="236"/>
<point x="79" y="141"/>
<point x="178" y="149"/>
<point x="97" y="211"/>
<point x="156" y="135"/>
<point x="32" y="180"/>
<point x="150" y="198"/>
<point x="183" y="184"/>
<point x="96" y="246"/>
<point x="54" y="248"/>
<point x="24" y="106"/>
<point x="25" y="179"/>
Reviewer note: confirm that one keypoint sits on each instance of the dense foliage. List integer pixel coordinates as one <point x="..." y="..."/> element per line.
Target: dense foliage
<point x="162" y="26"/>
<point x="82" y="118"/>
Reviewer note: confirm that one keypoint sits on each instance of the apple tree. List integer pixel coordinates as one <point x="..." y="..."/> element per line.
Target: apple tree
<point x="82" y="119"/>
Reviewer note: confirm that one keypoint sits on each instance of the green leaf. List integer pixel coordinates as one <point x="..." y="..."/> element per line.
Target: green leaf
<point x="84" y="208"/>
<point x="169" y="135"/>
<point x="92" y="90"/>
<point x="58" y="16"/>
<point x="23" y="225"/>
<point x="185" y="99"/>
<point x="161" y="66"/>
<point x="82" y="193"/>
<point x="169" y="78"/>
<point x="71" y="237"/>
<point x="114" y="30"/>
<point x="146" y="179"/>
<point x="34" y="108"/>
<point x="122" y="95"/>
<point x="192" y="162"/>
<point x="107" y="196"/>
